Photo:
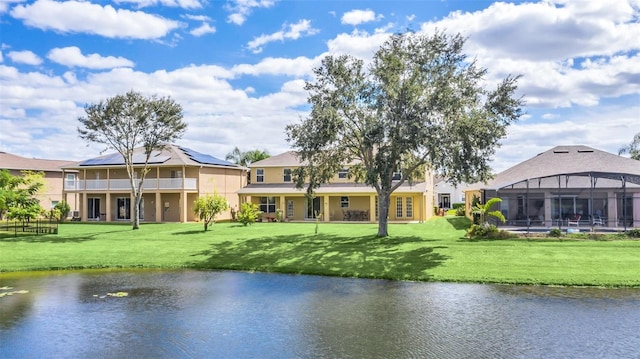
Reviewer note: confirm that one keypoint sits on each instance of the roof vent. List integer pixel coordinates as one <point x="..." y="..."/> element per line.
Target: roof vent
<point x="585" y="151"/>
<point x="560" y="151"/>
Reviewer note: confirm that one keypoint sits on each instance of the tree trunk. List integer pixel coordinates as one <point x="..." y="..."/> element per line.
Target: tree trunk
<point x="136" y="211"/>
<point x="383" y="213"/>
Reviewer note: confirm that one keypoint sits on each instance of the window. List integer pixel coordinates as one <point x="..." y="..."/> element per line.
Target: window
<point x="343" y="173"/>
<point x="268" y="204"/>
<point x="176" y="174"/>
<point x="396" y="176"/>
<point x="290" y="209"/>
<point x="286" y="175"/>
<point x="398" y="207"/>
<point x="71" y="181"/>
<point x="124" y="208"/>
<point x="344" y="202"/>
<point x="54" y="204"/>
<point x="260" y="175"/>
<point x="409" y="207"/>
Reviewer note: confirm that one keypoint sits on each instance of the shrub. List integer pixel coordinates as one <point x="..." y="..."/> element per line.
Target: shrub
<point x="278" y="215"/>
<point x="457" y="205"/>
<point x="634" y="233"/>
<point x="555" y="232"/>
<point x="460" y="211"/>
<point x="63" y="210"/>
<point x="248" y="213"/>
<point x="483" y="231"/>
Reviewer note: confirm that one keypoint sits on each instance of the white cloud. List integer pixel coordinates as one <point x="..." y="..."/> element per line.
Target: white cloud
<point x="241" y="9"/>
<point x="203" y="29"/>
<point x="569" y="53"/>
<point x="202" y="18"/>
<point x="300" y="66"/>
<point x="84" y="17"/>
<point x="24" y="57"/>
<point x="359" y="44"/>
<point x="72" y="57"/>
<point x="4" y="4"/>
<point x="184" y="4"/>
<point x="357" y="17"/>
<point x="294" y="32"/>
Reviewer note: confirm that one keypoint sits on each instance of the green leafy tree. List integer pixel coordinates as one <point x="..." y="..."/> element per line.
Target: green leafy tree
<point x="419" y="104"/>
<point x="484" y="211"/>
<point x="63" y="209"/>
<point x="18" y="194"/>
<point x="248" y="213"/>
<point x="208" y="207"/>
<point x="126" y="122"/>
<point x="633" y="148"/>
<point x="246" y="158"/>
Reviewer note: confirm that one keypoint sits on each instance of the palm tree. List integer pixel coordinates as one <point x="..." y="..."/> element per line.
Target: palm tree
<point x="484" y="211"/>
<point x="246" y="158"/>
<point x="633" y="148"/>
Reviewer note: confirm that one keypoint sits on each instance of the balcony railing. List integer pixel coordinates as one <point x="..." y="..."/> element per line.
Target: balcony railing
<point x="124" y="184"/>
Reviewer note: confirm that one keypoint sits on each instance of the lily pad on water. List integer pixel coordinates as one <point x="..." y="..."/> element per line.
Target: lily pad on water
<point x="3" y="294"/>
<point x="116" y="294"/>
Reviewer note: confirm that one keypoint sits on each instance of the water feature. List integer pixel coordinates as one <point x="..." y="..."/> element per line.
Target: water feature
<point x="183" y="314"/>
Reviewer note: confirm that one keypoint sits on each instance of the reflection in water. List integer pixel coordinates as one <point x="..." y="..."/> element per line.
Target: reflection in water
<point x="243" y="315"/>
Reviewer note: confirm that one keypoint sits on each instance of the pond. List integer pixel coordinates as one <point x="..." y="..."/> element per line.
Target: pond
<point x="199" y="314"/>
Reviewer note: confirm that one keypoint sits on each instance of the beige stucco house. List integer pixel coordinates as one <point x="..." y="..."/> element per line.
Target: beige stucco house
<point x="272" y="189"/>
<point x="54" y="176"/>
<point x="177" y="177"/>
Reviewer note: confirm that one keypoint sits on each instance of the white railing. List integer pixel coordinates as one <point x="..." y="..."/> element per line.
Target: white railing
<point x="124" y="184"/>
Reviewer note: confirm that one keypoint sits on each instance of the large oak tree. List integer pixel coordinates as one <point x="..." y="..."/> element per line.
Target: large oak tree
<point x="126" y="122"/>
<point x="419" y="104"/>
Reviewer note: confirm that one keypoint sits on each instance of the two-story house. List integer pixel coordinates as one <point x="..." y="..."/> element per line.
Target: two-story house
<point x="177" y="176"/>
<point x="51" y="193"/>
<point x="272" y="188"/>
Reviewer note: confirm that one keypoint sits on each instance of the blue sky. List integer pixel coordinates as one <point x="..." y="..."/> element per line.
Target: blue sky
<point x="238" y="67"/>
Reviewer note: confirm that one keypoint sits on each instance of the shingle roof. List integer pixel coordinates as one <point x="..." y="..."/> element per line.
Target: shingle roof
<point x="172" y="155"/>
<point x="286" y="159"/>
<point x="18" y="163"/>
<point x="567" y="160"/>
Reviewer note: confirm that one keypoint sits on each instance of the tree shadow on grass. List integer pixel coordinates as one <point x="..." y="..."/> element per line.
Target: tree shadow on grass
<point x="408" y="258"/>
<point x="58" y="238"/>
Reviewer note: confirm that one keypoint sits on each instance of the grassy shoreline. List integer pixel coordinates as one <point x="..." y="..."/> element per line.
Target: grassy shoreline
<point x="432" y="251"/>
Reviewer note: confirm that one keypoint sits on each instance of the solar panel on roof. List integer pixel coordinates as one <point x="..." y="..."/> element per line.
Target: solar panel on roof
<point x="205" y="159"/>
<point x="116" y="159"/>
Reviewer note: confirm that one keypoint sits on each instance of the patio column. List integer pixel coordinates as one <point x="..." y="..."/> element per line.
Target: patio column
<point x="108" y="206"/>
<point x="547" y="209"/>
<point x="82" y="206"/>
<point x="372" y="209"/>
<point x="183" y="206"/>
<point x="327" y="211"/>
<point x="612" y="209"/>
<point x="158" y="207"/>
<point x="283" y="207"/>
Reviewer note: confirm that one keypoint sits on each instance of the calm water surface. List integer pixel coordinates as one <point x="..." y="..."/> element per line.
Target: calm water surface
<point x="192" y="314"/>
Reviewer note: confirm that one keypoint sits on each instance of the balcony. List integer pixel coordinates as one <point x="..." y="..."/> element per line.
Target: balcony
<point x="187" y="184"/>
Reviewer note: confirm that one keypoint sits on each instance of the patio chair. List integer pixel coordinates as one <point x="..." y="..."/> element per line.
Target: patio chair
<point x="597" y="220"/>
<point x="575" y="220"/>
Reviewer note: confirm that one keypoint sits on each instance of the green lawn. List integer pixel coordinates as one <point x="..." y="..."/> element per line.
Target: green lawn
<point x="432" y="251"/>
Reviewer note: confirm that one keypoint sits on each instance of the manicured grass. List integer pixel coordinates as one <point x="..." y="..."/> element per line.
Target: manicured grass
<point x="432" y="251"/>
